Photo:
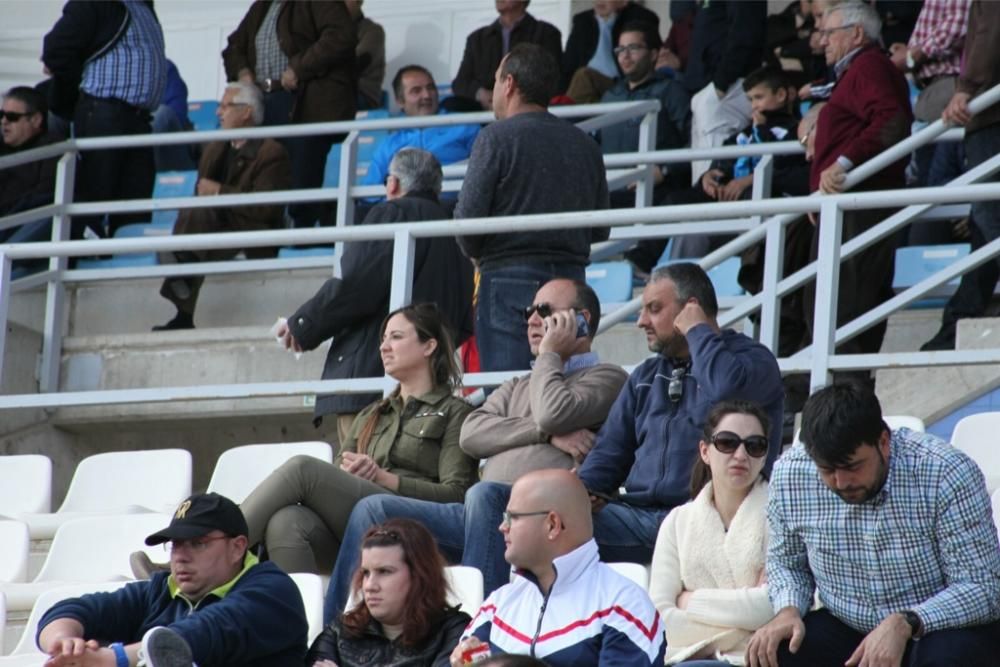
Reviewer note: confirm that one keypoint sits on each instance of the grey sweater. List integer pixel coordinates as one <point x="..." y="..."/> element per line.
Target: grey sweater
<point x="532" y="163"/>
<point x="511" y="429"/>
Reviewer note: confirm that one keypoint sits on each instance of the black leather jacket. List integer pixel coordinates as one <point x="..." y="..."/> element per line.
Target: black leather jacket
<point x="374" y="649"/>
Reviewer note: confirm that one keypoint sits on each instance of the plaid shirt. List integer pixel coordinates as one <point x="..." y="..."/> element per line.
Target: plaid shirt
<point x="271" y="60"/>
<point x="134" y="70"/>
<point x="925" y="543"/>
<point x="940" y="34"/>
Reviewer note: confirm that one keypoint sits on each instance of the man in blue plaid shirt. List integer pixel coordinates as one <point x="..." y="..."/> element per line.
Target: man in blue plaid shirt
<point x="895" y="532"/>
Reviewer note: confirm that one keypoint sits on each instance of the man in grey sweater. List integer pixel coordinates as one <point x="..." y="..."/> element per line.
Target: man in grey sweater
<point x="528" y="162"/>
<point x="546" y="419"/>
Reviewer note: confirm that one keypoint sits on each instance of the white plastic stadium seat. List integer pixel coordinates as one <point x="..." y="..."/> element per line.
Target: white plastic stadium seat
<point x="26" y="654"/>
<point x="155" y="480"/>
<point x="905" y="421"/>
<point x="312" y="590"/>
<point x="91" y="549"/>
<point x="976" y="435"/>
<point x="240" y="469"/>
<point x="637" y="573"/>
<point x="15" y="545"/>
<point x="466" y="584"/>
<point x="25" y="484"/>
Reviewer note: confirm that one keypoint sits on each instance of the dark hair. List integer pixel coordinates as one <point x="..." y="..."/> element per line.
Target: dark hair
<point x="397" y="81"/>
<point x="511" y="660"/>
<point x="428" y="596"/>
<point x="535" y="72"/>
<point x="690" y="280"/>
<point x="774" y="78"/>
<point x="838" y="419"/>
<point x="701" y="473"/>
<point x="33" y="101"/>
<point x="650" y="34"/>
<point x="586" y="299"/>
<point x="445" y="372"/>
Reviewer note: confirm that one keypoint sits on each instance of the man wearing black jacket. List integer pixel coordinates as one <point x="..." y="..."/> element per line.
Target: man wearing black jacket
<point x="350" y="308"/>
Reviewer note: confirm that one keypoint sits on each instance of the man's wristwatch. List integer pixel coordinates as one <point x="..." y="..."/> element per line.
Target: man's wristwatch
<point x="916" y="625"/>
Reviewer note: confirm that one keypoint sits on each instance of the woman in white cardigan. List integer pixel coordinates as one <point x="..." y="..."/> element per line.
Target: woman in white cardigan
<point x="708" y="577"/>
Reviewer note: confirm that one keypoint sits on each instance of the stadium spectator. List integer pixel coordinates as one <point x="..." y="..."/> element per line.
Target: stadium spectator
<point x="23" y="127"/>
<point x="487" y="46"/>
<point x="350" y="308"/>
<point x="546" y="419"/>
<point x="226" y="607"/>
<point x="109" y="71"/>
<point x="727" y="43"/>
<point x="636" y="50"/>
<point x="868" y="111"/>
<point x="172" y="116"/>
<point x="371" y="57"/>
<point x="417" y="95"/>
<point x="402" y="616"/>
<point x="228" y="167"/>
<point x="589" y="66"/>
<point x="302" y="56"/>
<point x="563" y="605"/>
<point x="707" y="578"/>
<point x="772" y="119"/>
<point x="648" y="442"/>
<point x="982" y="142"/>
<point x="894" y="530"/>
<point x="677" y="46"/>
<point x="404" y="444"/>
<point x="518" y="166"/>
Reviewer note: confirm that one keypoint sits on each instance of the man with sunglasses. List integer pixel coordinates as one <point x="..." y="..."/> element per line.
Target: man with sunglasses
<point x="546" y="419"/>
<point x="24" y="127"/>
<point x="217" y="605"/>
<point x="895" y="532"/>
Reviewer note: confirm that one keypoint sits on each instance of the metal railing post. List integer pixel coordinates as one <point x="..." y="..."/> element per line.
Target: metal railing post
<point x="827" y="284"/>
<point x="55" y="291"/>
<point x="774" y="253"/>
<point x="345" y="202"/>
<point x="647" y="142"/>
<point x="404" y="247"/>
<point x="4" y="306"/>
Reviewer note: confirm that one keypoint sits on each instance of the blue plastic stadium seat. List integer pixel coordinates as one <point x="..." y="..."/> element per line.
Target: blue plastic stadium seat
<point x="331" y="175"/>
<point x="612" y="281"/>
<point x="202" y="115"/>
<point x="140" y="230"/>
<point x="313" y="251"/>
<point x="915" y="263"/>
<point x="172" y="184"/>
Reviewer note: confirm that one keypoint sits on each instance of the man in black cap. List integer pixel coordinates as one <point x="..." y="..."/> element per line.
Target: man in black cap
<point x="217" y="605"/>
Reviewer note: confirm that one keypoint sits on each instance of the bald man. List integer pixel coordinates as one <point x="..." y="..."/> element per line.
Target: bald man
<point x="563" y="605"/>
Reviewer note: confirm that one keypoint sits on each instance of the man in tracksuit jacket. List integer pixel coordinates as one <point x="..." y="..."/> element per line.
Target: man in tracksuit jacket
<point x="640" y="466"/>
<point x="227" y="607"/>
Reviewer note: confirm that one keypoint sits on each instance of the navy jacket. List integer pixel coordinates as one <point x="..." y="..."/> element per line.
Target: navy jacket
<point x="648" y="442"/>
<point x="260" y="621"/>
<point x="727" y="43"/>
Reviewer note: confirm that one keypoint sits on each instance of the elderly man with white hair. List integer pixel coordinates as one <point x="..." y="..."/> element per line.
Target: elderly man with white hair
<point x="226" y="168"/>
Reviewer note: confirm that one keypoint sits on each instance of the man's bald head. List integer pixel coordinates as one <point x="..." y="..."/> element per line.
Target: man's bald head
<point x="550" y="517"/>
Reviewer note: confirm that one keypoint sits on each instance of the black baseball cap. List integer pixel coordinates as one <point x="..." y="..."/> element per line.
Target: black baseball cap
<point x="199" y="515"/>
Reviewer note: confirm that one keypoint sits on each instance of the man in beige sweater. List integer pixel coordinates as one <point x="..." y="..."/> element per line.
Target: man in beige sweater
<point x="546" y="419"/>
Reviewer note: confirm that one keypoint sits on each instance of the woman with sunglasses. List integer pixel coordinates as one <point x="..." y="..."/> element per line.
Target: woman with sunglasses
<point x="708" y="577"/>
<point x="402" y="617"/>
<point x="405" y="444"/>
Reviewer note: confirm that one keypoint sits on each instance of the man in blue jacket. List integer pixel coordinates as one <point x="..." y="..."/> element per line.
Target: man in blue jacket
<point x="640" y="466"/>
<point x="228" y="608"/>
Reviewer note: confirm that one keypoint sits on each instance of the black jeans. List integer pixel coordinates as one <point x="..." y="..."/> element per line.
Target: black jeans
<point x="121" y="173"/>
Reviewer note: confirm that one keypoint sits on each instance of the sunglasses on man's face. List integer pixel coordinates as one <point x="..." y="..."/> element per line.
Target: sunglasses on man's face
<point x="13" y="116"/>
<point x="727" y="443"/>
<point x="543" y="310"/>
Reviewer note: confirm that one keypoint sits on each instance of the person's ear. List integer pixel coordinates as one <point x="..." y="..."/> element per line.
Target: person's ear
<point x="392" y="185"/>
<point x="36" y="119"/>
<point x="703" y="451"/>
<point x="430" y="346"/>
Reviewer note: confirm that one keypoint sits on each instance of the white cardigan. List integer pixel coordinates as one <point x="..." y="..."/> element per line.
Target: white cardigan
<point x="722" y="569"/>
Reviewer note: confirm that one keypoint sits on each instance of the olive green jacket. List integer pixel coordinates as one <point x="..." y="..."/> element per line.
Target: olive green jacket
<point x="419" y="442"/>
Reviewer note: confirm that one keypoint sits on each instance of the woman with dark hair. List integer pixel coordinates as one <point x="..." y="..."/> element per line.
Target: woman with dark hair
<point x="708" y="578"/>
<point x="406" y="443"/>
<point x="402" y="617"/>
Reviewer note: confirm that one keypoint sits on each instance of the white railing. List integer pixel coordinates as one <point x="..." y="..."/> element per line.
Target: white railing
<point x="819" y="360"/>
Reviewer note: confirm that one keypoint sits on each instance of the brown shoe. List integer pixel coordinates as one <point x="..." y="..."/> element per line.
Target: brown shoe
<point x="143" y="567"/>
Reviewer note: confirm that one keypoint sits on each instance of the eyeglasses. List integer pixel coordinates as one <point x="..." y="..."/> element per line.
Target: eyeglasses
<point x="508" y="516"/>
<point x="631" y="49"/>
<point x="14" y="116"/>
<point x="543" y="309"/>
<point x="728" y="442"/>
<point x="825" y="34"/>
<point x="675" y="388"/>
<point x="196" y="545"/>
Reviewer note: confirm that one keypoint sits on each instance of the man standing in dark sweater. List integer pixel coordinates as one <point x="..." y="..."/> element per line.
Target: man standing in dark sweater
<point x="527" y="162"/>
<point x="868" y="111"/>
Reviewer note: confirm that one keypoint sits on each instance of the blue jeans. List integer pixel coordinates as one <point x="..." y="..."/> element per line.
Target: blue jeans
<point x="829" y="642"/>
<point x="504" y="293"/>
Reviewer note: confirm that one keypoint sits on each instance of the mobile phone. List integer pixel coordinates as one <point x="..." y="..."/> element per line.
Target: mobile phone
<point x="582" y="329"/>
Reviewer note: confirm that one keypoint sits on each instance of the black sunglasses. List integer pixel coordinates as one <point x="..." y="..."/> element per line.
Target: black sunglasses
<point x="544" y="310"/>
<point x="727" y="443"/>
<point x="14" y="116"/>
